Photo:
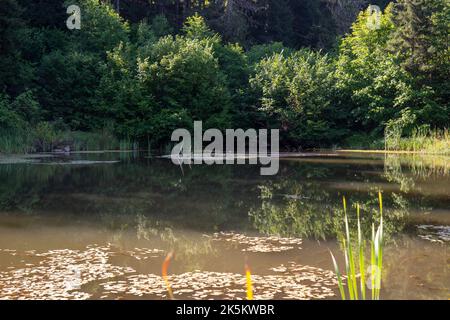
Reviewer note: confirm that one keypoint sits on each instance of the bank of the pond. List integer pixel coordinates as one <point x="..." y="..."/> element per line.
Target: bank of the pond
<point x="46" y="138"/>
<point x="405" y="152"/>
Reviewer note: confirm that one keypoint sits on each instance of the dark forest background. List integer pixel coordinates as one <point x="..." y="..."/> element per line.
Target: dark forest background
<point x="137" y="69"/>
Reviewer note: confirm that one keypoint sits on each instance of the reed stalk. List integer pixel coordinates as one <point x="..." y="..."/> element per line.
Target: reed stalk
<point x="356" y="266"/>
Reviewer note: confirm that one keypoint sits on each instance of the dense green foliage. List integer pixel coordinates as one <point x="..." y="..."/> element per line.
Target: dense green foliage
<point x="140" y="72"/>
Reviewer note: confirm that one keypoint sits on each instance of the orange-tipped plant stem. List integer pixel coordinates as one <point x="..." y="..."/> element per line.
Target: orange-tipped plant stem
<point x="165" y="267"/>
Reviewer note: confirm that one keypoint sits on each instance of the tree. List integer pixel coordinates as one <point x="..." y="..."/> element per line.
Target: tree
<point x="195" y="28"/>
<point x="9" y="119"/>
<point x="186" y="75"/>
<point x="233" y="18"/>
<point x="160" y="26"/>
<point x="262" y="51"/>
<point x="373" y="86"/>
<point x="27" y="107"/>
<point x="183" y="78"/>
<point x="296" y="96"/>
<point x="344" y="12"/>
<point x="102" y="28"/>
<point x="279" y="23"/>
<point x="313" y="24"/>
<point x="67" y="83"/>
<point x="412" y="37"/>
<point x="422" y="40"/>
<point x="69" y="70"/>
<point x="121" y="98"/>
<point x="16" y="73"/>
<point x="45" y="13"/>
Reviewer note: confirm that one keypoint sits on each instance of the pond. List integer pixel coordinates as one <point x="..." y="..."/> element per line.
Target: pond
<point x="100" y="225"/>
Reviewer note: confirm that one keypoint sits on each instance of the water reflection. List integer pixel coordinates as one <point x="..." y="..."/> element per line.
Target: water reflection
<point x="144" y="207"/>
<point x="304" y="200"/>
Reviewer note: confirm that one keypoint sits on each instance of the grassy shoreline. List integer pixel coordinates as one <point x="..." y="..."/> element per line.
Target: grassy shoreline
<point x="424" y="152"/>
<point x="47" y="139"/>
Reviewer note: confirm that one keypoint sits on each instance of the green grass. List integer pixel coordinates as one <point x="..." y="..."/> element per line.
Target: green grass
<point x="421" y="140"/>
<point x="16" y="141"/>
<point x="355" y="260"/>
<point x="45" y="138"/>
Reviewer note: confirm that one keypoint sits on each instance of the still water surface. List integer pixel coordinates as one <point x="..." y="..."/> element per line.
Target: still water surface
<point x="98" y="226"/>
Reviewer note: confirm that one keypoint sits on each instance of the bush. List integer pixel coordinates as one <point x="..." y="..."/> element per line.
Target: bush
<point x="184" y="74"/>
<point x="296" y="96"/>
<point x="9" y="119"/>
<point x="68" y="81"/>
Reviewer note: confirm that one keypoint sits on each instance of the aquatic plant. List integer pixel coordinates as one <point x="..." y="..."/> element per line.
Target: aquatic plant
<point x="356" y="260"/>
<point x="165" y="267"/>
<point x="249" y="283"/>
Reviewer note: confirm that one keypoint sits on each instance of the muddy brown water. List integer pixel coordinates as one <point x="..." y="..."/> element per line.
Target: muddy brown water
<point x="99" y="226"/>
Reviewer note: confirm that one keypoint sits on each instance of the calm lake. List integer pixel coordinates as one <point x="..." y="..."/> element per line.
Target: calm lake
<point x="99" y="226"/>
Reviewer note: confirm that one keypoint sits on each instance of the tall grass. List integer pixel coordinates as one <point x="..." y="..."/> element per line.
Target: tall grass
<point x="421" y="139"/>
<point x="355" y="259"/>
<point x="13" y="141"/>
<point x="46" y="138"/>
<point x="92" y="141"/>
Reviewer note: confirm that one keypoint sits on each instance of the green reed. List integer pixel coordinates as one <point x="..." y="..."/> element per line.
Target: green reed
<point x="355" y="259"/>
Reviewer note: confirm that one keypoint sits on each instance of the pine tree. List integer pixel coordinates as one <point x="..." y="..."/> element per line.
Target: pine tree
<point x="235" y="17"/>
<point x="344" y="12"/>
<point x="414" y="35"/>
<point x="421" y="40"/>
<point x="16" y="73"/>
